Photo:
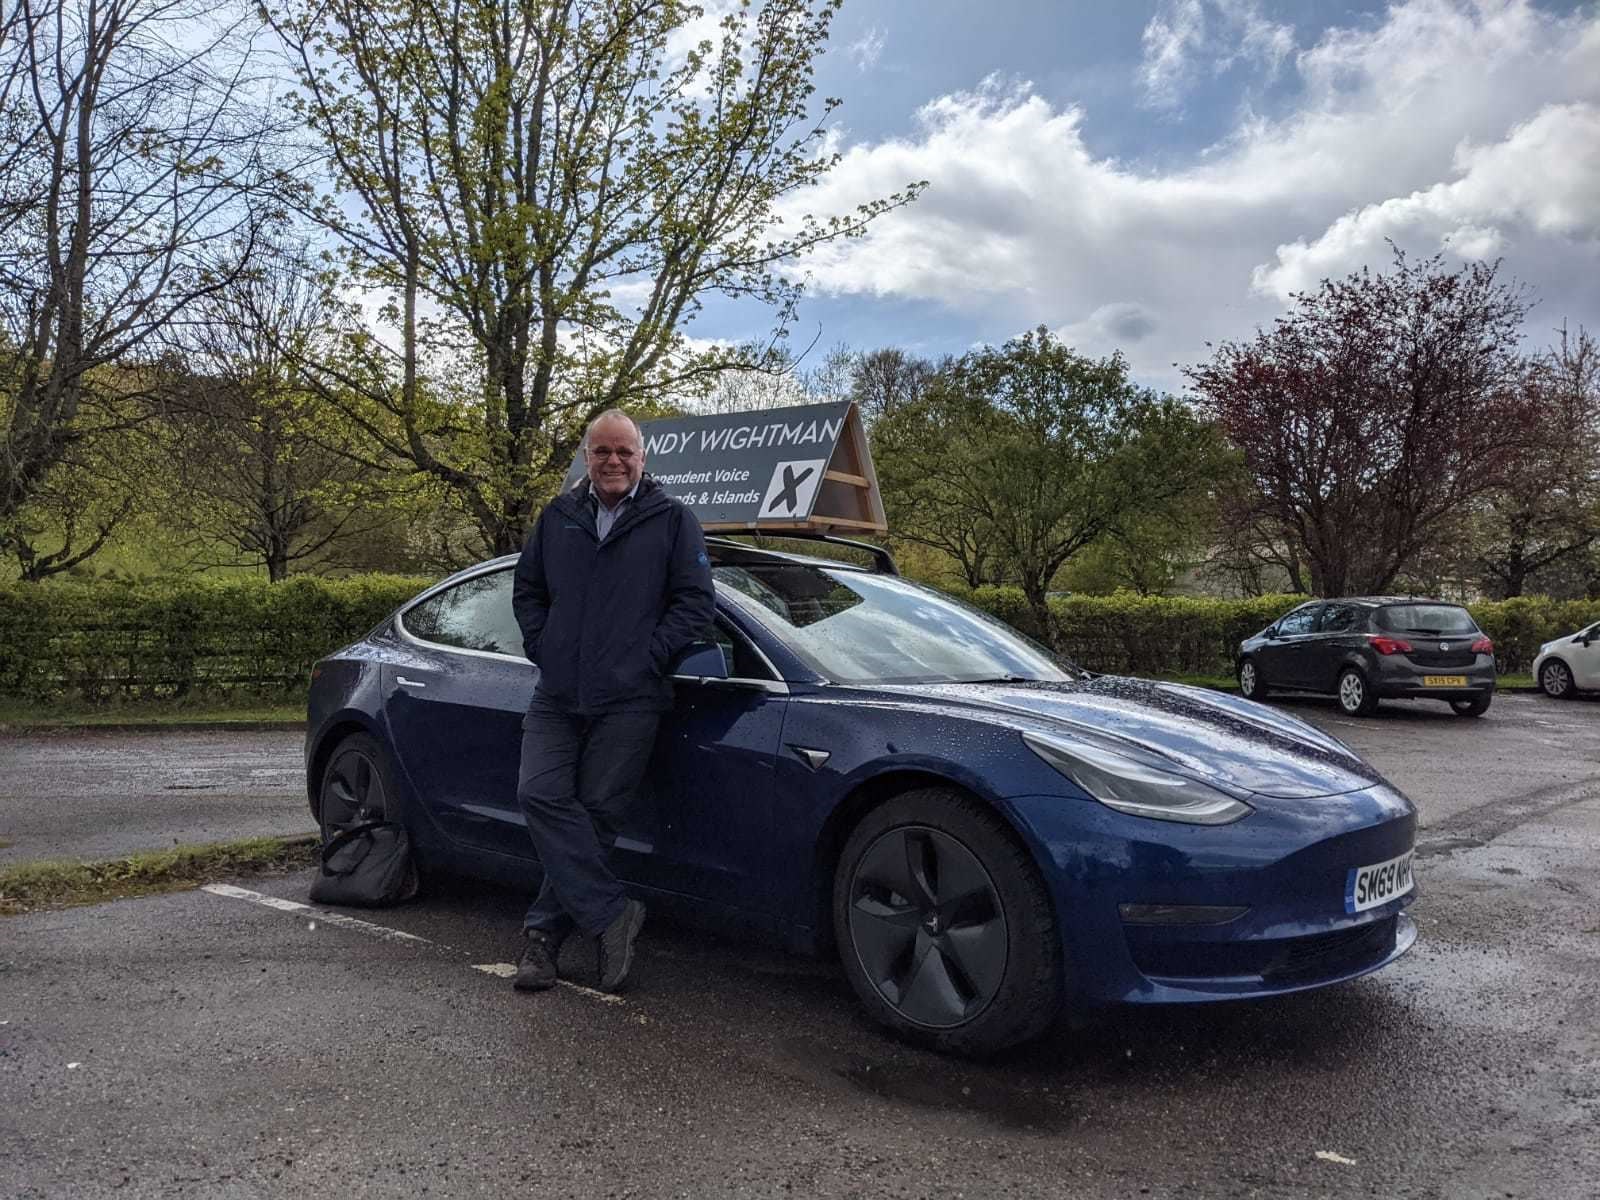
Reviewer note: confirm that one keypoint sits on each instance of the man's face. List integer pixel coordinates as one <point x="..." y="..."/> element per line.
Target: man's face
<point x="615" y="459"/>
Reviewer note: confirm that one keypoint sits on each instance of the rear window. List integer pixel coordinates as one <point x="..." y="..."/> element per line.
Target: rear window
<point x="1426" y="618"/>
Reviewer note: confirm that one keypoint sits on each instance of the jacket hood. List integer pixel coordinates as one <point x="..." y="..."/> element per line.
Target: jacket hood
<point x="1232" y="744"/>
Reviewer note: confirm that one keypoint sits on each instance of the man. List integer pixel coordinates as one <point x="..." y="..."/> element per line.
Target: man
<point x="613" y="584"/>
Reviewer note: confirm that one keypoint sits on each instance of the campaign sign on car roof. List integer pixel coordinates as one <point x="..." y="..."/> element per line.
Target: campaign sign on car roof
<point x="754" y="469"/>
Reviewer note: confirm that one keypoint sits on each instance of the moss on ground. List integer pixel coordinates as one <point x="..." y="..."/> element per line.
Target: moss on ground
<point x="30" y="887"/>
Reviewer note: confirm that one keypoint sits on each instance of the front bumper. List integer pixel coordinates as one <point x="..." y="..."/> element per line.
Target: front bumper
<point x="1286" y="865"/>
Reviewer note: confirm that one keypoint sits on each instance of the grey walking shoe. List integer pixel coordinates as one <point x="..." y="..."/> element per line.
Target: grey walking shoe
<point x="615" y="945"/>
<point x="537" y="970"/>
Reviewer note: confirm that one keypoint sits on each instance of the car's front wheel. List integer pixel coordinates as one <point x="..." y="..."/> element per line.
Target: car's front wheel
<point x="1555" y="679"/>
<point x="1355" y="697"/>
<point x="1474" y="707"/>
<point x="1251" y="685"/>
<point x="945" y="927"/>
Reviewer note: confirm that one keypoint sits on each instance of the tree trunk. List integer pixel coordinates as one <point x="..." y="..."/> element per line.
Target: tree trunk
<point x="1039" y="605"/>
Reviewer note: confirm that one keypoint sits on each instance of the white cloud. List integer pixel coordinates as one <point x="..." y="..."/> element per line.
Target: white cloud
<point x="867" y="49"/>
<point x="1468" y="125"/>
<point x="1181" y="33"/>
<point x="1171" y="39"/>
<point x="1543" y="179"/>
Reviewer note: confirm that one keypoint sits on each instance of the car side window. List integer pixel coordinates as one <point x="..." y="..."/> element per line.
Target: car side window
<point x="1301" y="620"/>
<point x="1339" y="618"/>
<point x="475" y="614"/>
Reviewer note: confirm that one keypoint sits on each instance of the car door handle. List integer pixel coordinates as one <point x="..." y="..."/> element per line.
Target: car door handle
<point x="404" y="682"/>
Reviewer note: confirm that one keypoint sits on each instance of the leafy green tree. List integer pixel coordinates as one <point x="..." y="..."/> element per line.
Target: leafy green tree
<point x="549" y="190"/>
<point x="1019" y="458"/>
<point x="933" y="473"/>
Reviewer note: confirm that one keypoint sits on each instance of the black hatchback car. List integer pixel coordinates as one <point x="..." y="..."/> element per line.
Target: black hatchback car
<point x="1361" y="649"/>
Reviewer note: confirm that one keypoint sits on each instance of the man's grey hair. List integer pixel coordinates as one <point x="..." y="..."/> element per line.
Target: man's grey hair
<point x="611" y="414"/>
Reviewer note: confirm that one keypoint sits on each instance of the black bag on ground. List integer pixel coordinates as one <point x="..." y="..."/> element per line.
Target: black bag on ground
<point x="368" y="866"/>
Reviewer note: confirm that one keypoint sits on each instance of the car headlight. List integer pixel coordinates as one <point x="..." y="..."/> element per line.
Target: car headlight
<point x="1130" y="786"/>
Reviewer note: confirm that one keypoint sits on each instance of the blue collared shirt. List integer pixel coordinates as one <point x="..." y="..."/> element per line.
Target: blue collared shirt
<point x="605" y="518"/>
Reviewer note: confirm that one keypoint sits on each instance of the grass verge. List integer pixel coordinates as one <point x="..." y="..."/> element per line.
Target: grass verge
<point x="30" y="887"/>
<point x="19" y="714"/>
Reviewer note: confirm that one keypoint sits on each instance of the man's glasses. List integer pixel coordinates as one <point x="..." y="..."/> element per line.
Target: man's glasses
<point x="622" y="454"/>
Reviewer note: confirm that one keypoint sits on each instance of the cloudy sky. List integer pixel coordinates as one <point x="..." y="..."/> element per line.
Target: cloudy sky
<point x="1150" y="176"/>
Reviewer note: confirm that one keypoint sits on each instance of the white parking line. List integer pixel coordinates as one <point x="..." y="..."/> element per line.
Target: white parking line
<point x="503" y="970"/>
<point x="321" y="914"/>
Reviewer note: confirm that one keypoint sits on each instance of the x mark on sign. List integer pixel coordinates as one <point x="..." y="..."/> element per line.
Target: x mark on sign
<point x="789" y="497"/>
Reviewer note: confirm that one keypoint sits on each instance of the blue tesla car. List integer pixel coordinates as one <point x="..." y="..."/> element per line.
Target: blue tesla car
<point x="987" y="836"/>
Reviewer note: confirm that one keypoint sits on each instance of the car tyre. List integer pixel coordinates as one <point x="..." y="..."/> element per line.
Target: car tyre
<point x="1251" y="685"/>
<point x="944" y="925"/>
<point x="1555" y="680"/>
<point x="356" y="785"/>
<point x="1474" y="707"/>
<point x="1355" y="697"/>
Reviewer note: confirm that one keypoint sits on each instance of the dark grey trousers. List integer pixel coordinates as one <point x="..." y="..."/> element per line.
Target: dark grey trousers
<point x="577" y="779"/>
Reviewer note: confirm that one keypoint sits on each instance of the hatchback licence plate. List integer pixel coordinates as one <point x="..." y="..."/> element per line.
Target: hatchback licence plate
<point x="1368" y="887"/>
<point x="1444" y="681"/>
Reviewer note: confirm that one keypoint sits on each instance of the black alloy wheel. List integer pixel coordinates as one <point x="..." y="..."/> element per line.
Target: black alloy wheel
<point x="1355" y="697"/>
<point x="944" y="925"/>
<point x="1474" y="707"/>
<point x="1555" y="680"/>
<point x="355" y="786"/>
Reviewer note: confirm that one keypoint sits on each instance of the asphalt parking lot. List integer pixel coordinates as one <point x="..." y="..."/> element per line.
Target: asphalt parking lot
<point x="233" y="1043"/>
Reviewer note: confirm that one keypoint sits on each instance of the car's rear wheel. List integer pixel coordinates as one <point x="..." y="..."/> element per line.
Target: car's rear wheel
<point x="1555" y="679"/>
<point x="1355" y="697"/>
<point x="1474" y="707"/>
<point x="945" y="927"/>
<point x="1251" y="685"/>
<point x="355" y="785"/>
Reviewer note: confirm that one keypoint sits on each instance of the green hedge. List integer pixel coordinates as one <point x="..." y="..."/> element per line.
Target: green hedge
<point x="105" y="640"/>
<point x="97" y="641"/>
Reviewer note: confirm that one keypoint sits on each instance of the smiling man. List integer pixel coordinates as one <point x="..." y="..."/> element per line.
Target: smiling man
<point x="613" y="584"/>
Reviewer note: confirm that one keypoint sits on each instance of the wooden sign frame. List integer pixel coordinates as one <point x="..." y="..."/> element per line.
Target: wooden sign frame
<point x="848" y="500"/>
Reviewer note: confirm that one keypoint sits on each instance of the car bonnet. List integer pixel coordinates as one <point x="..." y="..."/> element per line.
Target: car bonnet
<point x="1232" y="744"/>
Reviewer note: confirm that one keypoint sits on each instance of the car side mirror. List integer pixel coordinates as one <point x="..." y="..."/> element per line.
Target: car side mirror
<point x="1585" y="638"/>
<point x="700" y="662"/>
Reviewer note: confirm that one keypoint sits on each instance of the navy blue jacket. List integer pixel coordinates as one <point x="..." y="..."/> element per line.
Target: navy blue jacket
<point x="603" y="620"/>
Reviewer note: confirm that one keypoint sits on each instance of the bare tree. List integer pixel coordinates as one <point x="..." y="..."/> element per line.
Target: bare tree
<point x="129" y="151"/>
<point x="261" y="463"/>
<point x="887" y="379"/>
<point x="1548" y="512"/>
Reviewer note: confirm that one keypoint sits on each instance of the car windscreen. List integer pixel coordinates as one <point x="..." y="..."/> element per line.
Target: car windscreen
<point x="857" y="628"/>
<point x="1426" y="618"/>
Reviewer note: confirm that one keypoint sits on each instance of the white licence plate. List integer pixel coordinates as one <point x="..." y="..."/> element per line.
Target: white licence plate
<point x="1368" y="887"/>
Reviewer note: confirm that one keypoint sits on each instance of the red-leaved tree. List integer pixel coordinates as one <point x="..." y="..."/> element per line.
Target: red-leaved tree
<point x="1372" y="413"/>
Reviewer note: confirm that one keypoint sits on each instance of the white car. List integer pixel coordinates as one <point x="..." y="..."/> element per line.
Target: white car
<point x="1569" y="664"/>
